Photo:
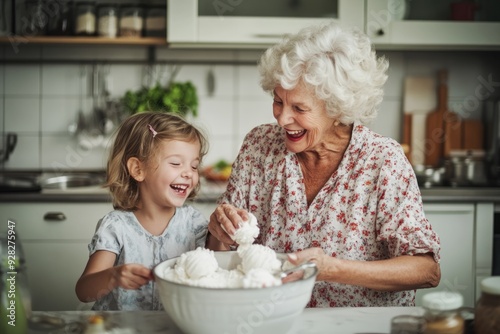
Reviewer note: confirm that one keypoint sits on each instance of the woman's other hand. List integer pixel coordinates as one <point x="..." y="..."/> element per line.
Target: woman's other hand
<point x="315" y="255"/>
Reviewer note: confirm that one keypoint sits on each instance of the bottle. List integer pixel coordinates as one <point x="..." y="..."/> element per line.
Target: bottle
<point x="131" y="21"/>
<point x="442" y="313"/>
<point x="15" y="301"/>
<point x="487" y="315"/>
<point x="85" y="23"/>
<point x="107" y="22"/>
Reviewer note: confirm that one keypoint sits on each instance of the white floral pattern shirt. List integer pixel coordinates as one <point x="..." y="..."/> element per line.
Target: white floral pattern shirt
<point x="370" y="209"/>
<point x="121" y="233"/>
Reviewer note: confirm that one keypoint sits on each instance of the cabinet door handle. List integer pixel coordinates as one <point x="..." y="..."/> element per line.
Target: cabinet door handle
<point x="54" y="216"/>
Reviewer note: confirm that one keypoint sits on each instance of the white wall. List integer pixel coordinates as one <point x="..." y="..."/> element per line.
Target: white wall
<point x="39" y="100"/>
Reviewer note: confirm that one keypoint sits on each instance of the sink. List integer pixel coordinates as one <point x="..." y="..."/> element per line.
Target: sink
<point x="72" y="181"/>
<point x="18" y="182"/>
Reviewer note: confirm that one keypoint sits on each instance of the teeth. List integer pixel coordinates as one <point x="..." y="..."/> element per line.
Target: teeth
<point x="179" y="187"/>
<point x="295" y="133"/>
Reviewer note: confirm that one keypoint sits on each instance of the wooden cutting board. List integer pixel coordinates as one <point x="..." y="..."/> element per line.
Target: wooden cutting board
<point x="453" y="139"/>
<point x="472" y="135"/>
<point x="419" y="99"/>
<point x="434" y="132"/>
<point x="406" y="142"/>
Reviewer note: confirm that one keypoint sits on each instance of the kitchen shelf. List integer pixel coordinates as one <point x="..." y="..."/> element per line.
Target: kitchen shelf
<point x="79" y="40"/>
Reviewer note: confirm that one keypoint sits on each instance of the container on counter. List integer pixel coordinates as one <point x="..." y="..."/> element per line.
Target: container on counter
<point x="442" y="313"/>
<point x="487" y="315"/>
<point x="62" y="21"/>
<point x="131" y="21"/>
<point x="156" y="22"/>
<point x="85" y="21"/>
<point x="107" y="20"/>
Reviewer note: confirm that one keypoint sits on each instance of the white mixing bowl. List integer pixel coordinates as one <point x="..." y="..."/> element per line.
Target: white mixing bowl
<point x="197" y="310"/>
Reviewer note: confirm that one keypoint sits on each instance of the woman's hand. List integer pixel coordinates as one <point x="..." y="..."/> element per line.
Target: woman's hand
<point x="131" y="276"/>
<point x="229" y="217"/>
<point x="315" y="255"/>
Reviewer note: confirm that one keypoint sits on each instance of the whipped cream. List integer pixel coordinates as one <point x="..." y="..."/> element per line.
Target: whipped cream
<point x="257" y="268"/>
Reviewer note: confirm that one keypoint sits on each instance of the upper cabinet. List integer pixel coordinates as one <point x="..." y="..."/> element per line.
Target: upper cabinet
<point x="429" y="24"/>
<point x="391" y="24"/>
<point x="253" y="23"/>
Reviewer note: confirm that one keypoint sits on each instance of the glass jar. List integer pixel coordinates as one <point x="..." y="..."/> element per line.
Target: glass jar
<point x="156" y="22"/>
<point x="487" y="315"/>
<point x="61" y="22"/>
<point x="85" y="23"/>
<point x="131" y="21"/>
<point x="107" y="21"/>
<point x="442" y="313"/>
<point x="33" y="20"/>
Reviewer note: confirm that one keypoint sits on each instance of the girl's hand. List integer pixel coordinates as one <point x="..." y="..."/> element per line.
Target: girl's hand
<point x="228" y="216"/>
<point x="132" y="276"/>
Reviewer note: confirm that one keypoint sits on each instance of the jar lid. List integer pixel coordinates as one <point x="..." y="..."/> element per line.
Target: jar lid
<point x="491" y="285"/>
<point x="442" y="301"/>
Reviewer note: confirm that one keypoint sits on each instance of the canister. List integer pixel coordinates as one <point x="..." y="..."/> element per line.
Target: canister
<point x="131" y="21"/>
<point x="85" y="19"/>
<point x="442" y="313"/>
<point x="107" y="20"/>
<point x="156" y="22"/>
<point x="487" y="315"/>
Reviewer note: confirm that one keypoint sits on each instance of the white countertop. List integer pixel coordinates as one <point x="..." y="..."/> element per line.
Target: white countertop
<point x="374" y="320"/>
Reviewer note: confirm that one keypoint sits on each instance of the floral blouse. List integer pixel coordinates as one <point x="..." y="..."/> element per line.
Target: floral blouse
<point x="370" y="209"/>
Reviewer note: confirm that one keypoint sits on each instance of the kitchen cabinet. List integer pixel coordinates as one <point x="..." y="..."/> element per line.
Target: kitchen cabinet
<point x="251" y="23"/>
<point x="455" y="225"/>
<point x="237" y="23"/>
<point x="54" y="237"/>
<point x="387" y="31"/>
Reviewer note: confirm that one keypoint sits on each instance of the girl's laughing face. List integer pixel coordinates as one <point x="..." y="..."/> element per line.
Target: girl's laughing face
<point x="170" y="182"/>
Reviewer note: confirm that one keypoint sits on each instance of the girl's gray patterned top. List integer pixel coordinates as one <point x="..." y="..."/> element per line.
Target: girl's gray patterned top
<point x="121" y="233"/>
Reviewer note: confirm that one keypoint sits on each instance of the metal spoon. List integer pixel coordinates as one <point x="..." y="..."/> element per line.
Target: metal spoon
<point x="286" y="276"/>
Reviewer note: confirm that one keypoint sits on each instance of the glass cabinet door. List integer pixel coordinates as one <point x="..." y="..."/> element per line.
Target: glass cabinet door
<point x="246" y="23"/>
<point x="266" y="8"/>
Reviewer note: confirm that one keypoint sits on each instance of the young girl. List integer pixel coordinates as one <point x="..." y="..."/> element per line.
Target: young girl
<point x="152" y="170"/>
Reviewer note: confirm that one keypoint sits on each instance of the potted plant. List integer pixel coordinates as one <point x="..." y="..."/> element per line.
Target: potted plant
<point x="178" y="98"/>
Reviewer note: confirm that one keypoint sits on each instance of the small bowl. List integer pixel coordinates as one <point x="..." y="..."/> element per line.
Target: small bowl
<point x="253" y="310"/>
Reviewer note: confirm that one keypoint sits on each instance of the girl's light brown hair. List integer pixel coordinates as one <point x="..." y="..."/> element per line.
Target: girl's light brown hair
<point x="135" y="139"/>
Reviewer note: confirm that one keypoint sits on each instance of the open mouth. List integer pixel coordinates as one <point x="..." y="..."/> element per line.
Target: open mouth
<point x="295" y="135"/>
<point x="180" y="188"/>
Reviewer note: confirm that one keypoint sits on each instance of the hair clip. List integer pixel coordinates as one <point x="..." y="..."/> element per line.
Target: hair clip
<point x="152" y="130"/>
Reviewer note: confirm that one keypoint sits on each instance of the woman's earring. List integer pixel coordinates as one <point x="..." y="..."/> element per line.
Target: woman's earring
<point x="336" y="123"/>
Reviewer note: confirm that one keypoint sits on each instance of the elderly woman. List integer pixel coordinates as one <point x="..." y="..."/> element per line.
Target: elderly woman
<point x="323" y="186"/>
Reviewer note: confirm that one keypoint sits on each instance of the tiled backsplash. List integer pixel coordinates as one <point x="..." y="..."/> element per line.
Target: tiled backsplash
<point x="39" y="100"/>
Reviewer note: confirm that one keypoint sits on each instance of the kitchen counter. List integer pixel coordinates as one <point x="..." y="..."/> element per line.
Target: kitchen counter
<point x="210" y="193"/>
<point x="311" y="321"/>
<point x="463" y="194"/>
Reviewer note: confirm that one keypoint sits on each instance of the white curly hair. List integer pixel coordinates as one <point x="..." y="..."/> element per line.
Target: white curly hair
<point x="338" y="64"/>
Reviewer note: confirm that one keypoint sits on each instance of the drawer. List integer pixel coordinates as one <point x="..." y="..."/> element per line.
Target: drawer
<point x="53" y="221"/>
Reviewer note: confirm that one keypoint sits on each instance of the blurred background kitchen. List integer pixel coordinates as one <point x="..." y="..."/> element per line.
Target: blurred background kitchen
<point x="66" y="68"/>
